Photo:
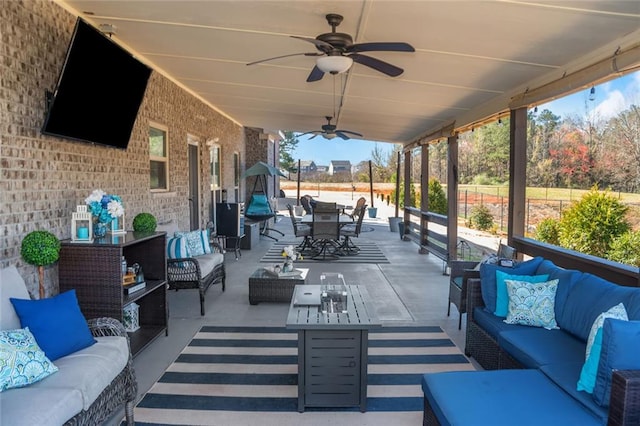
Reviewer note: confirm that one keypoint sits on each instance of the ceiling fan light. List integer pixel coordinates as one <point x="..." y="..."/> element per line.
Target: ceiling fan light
<point x="334" y="64"/>
<point x="329" y="135"/>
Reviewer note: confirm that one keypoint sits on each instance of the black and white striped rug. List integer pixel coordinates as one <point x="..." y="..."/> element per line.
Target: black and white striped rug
<point x="369" y="253"/>
<point x="248" y="376"/>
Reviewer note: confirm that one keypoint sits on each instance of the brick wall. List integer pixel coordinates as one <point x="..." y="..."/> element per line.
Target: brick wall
<point x="43" y="178"/>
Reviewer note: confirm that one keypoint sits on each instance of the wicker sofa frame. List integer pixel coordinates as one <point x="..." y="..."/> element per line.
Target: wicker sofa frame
<point x="624" y="406"/>
<point x="122" y="389"/>
<point x="185" y="273"/>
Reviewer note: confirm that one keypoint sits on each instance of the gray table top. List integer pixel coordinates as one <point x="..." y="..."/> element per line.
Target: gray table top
<point x="358" y="315"/>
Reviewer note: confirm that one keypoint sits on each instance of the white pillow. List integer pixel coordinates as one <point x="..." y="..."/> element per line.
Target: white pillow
<point x="617" y="312"/>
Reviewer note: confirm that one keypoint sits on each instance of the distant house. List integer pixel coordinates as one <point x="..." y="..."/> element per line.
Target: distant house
<point x="339" y="166"/>
<point x="322" y="169"/>
<point x="308" y="166"/>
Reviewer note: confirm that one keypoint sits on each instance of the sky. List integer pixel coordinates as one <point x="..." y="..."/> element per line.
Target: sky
<point x="610" y="98"/>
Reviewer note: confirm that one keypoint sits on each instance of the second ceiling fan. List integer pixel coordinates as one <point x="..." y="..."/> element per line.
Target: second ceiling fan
<point x="329" y="131"/>
<point x="336" y="52"/>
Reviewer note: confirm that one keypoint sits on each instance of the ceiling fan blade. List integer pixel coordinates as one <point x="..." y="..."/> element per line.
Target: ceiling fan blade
<point x="350" y="132"/>
<point x="380" y="47"/>
<point x="315" y="75"/>
<point x="285" y="56"/>
<point x="377" y="64"/>
<point x="341" y="135"/>
<point x="321" y="45"/>
<point x="315" y="133"/>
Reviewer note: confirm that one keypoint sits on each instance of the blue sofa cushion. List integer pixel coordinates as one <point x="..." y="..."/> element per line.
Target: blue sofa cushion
<point x="591" y="297"/>
<point x="492" y="324"/>
<point x="502" y="397"/>
<point x="488" y="283"/>
<point x="565" y="375"/>
<point x="620" y="349"/>
<point x="567" y="279"/>
<point x="534" y="347"/>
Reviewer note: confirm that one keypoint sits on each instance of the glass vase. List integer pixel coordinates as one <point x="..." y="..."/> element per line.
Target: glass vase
<point x="288" y="265"/>
<point x="99" y="229"/>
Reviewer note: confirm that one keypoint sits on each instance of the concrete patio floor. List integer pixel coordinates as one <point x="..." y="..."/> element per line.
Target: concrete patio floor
<point x="414" y="283"/>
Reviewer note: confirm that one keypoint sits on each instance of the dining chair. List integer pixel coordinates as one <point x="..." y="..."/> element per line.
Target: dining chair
<point x="325" y="232"/>
<point x="301" y="230"/>
<point x="348" y="232"/>
<point x="360" y="205"/>
<point x="305" y="202"/>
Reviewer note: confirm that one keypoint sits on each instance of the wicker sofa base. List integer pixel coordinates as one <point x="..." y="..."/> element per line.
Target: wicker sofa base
<point x="272" y="289"/>
<point x="429" y="417"/>
<point x="123" y="388"/>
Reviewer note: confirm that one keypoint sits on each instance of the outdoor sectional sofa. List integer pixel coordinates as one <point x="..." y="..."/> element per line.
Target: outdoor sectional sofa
<point x="85" y="387"/>
<point x="539" y="368"/>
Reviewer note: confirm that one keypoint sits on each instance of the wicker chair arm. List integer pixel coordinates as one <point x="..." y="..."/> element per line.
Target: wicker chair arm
<point x="216" y="246"/>
<point x="624" y="405"/>
<point x="457" y="267"/>
<point x="474" y="296"/>
<point x="183" y="269"/>
<point x="106" y="327"/>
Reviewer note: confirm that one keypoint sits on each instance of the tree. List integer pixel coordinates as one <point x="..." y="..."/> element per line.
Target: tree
<point x="40" y="248"/>
<point x="287" y="146"/>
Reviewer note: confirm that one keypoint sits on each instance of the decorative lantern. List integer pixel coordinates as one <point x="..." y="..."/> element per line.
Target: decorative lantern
<point x="117" y="225"/>
<point x="81" y="225"/>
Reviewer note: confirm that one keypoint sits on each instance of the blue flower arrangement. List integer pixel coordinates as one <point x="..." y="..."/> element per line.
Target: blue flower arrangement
<point x="104" y="207"/>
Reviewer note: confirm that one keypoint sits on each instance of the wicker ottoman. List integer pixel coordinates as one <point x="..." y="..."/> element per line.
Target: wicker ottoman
<point x="264" y="287"/>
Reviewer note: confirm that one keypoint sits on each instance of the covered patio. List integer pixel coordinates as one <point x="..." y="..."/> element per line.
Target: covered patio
<point x="410" y="290"/>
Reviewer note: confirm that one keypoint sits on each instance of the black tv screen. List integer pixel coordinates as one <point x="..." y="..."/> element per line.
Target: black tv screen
<point x="99" y="91"/>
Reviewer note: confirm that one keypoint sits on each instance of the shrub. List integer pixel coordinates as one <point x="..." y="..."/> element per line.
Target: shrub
<point x="548" y="230"/>
<point x="481" y="218"/>
<point x="144" y="222"/>
<point x="592" y="223"/>
<point x="626" y="249"/>
<point x="437" y="197"/>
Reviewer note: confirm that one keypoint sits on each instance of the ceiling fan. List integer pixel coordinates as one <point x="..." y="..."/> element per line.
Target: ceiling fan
<point x="329" y="131"/>
<point x="336" y="52"/>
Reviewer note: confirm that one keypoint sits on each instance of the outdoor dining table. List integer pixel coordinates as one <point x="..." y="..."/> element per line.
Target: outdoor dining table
<point x="344" y="219"/>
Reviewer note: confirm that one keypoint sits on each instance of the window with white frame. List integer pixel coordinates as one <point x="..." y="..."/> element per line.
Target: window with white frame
<point x="158" y="157"/>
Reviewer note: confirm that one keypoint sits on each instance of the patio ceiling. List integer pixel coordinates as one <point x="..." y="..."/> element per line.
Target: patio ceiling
<point x="472" y="57"/>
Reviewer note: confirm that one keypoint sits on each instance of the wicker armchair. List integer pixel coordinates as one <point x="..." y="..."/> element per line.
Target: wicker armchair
<point x="198" y="272"/>
<point x="461" y="271"/>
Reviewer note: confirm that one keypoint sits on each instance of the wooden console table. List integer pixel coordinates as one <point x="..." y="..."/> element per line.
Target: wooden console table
<point x="332" y="351"/>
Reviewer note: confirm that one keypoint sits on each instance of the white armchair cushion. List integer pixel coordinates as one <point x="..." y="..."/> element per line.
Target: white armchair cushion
<point x="209" y="261"/>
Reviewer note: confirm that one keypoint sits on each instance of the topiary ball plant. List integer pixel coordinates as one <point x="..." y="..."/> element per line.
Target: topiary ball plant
<point x="40" y="248"/>
<point x="144" y="222"/>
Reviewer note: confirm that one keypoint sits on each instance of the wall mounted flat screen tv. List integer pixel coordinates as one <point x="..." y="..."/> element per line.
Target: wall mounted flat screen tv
<point x="99" y="91"/>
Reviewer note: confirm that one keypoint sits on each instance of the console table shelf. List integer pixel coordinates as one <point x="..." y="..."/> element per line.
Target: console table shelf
<point x="94" y="270"/>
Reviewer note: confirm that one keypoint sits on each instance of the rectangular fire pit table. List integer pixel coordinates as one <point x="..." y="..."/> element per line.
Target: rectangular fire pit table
<point x="332" y="351"/>
<point x="266" y="287"/>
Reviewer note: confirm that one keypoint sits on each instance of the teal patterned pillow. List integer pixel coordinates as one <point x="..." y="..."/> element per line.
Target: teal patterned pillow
<point x="22" y="362"/>
<point x="197" y="242"/>
<point x="532" y="304"/>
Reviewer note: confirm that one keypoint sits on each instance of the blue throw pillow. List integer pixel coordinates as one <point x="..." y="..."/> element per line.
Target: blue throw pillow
<point x="620" y="349"/>
<point x="22" y="362"/>
<point x="56" y="323"/>
<point x="488" y="279"/>
<point x="532" y="304"/>
<point x="502" y="298"/>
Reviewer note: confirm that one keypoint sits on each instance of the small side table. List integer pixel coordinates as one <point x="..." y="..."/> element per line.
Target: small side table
<point x="265" y="287"/>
